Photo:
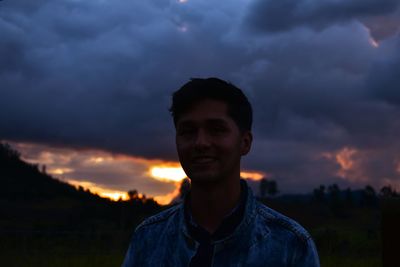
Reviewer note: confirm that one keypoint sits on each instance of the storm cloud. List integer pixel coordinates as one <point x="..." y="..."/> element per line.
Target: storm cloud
<point x="277" y="16"/>
<point x="99" y="75"/>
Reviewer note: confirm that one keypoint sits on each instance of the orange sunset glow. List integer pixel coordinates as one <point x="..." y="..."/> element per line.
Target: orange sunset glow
<point x="112" y="175"/>
<point x="103" y="192"/>
<point x="348" y="160"/>
<point x="253" y="175"/>
<point x="162" y="173"/>
<point x="168" y="173"/>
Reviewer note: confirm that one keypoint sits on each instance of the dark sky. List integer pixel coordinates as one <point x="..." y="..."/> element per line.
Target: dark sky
<point x="323" y="77"/>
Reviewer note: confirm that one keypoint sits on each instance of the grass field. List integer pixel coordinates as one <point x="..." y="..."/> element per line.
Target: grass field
<point x="63" y="249"/>
<point x="347" y="242"/>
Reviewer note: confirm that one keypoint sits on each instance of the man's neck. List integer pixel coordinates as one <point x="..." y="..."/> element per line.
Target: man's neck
<point x="210" y="203"/>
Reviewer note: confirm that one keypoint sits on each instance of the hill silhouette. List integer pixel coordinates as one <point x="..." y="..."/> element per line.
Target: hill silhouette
<point x="22" y="181"/>
<point x="31" y="199"/>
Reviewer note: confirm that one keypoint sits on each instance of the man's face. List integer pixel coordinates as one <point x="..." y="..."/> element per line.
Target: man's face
<point x="209" y="142"/>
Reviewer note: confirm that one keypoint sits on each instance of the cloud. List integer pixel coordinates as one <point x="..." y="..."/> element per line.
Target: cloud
<point x="383" y="79"/>
<point x="278" y="16"/>
<point x="383" y="26"/>
<point x="99" y="75"/>
<point x="312" y="86"/>
<point x="368" y="165"/>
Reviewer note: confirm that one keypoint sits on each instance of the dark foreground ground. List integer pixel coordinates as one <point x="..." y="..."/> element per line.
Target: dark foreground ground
<point x="352" y="239"/>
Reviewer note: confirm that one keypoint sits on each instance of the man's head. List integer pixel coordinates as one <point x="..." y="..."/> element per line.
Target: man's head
<point x="213" y="121"/>
<point x="239" y="108"/>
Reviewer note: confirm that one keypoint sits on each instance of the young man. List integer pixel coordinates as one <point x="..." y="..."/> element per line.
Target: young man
<point x="220" y="223"/>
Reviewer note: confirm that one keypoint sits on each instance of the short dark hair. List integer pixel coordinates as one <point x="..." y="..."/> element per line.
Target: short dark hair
<point x="197" y="89"/>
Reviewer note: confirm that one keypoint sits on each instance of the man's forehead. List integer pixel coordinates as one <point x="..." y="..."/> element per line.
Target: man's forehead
<point x="206" y="110"/>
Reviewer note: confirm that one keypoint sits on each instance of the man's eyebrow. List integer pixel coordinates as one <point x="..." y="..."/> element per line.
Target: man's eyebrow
<point x="216" y="121"/>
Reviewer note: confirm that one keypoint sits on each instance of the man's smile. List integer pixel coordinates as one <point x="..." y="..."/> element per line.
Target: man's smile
<point x="203" y="159"/>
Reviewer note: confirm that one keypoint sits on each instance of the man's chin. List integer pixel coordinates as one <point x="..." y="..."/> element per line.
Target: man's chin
<point x="204" y="178"/>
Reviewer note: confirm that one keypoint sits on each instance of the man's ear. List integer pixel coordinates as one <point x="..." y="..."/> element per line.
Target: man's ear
<point x="247" y="139"/>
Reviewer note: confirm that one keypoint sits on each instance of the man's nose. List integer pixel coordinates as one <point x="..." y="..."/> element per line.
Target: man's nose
<point x="202" y="139"/>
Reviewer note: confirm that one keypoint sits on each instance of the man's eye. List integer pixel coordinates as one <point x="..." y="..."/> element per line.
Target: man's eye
<point x="218" y="129"/>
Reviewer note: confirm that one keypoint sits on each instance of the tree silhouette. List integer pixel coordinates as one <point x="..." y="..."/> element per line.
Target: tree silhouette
<point x="319" y="193"/>
<point x="272" y="188"/>
<point x="133" y="194"/>
<point x="44" y="169"/>
<point x="7" y="152"/>
<point x="263" y="187"/>
<point x="388" y="191"/>
<point x="336" y="201"/>
<point x="369" y="196"/>
<point x="269" y="187"/>
<point x="349" y="197"/>
<point x="334" y="192"/>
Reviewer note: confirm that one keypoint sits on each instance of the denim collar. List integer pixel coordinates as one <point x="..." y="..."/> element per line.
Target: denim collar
<point x="240" y="233"/>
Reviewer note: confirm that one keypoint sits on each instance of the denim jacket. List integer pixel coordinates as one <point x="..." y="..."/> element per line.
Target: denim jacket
<point x="264" y="237"/>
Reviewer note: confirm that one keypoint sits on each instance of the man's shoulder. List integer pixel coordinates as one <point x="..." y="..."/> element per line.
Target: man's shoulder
<point x="278" y="222"/>
<point x="159" y="218"/>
